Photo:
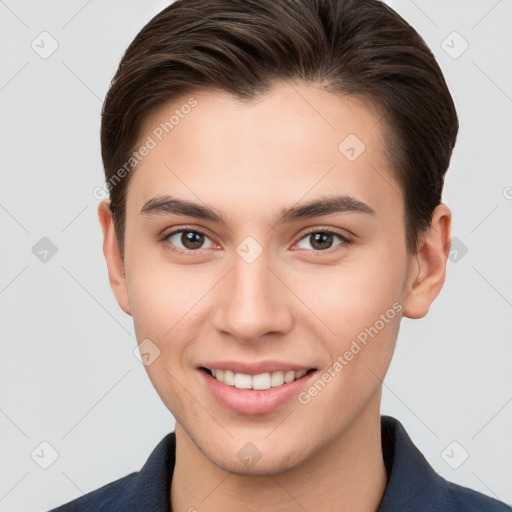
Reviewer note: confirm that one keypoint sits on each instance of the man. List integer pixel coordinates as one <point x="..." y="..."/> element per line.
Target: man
<point x="275" y="171"/>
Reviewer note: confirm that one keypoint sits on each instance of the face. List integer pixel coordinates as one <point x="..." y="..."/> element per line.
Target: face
<point x="293" y="259"/>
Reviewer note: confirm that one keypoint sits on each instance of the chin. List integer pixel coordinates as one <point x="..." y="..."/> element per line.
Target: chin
<point x="266" y="466"/>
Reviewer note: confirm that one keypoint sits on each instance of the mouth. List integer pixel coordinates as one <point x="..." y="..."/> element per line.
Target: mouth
<point x="259" y="382"/>
<point x="254" y="387"/>
<point x="257" y="393"/>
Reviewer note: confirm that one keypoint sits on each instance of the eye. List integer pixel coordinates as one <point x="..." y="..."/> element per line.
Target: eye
<point x="322" y="240"/>
<point x="187" y="240"/>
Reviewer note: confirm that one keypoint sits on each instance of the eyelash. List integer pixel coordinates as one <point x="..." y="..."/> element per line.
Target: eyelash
<point x="345" y="241"/>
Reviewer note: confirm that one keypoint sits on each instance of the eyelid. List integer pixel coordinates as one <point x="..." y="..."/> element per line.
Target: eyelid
<point x="346" y="240"/>
<point x="167" y="234"/>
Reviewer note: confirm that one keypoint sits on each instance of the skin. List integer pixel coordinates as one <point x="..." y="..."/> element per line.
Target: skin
<point x="294" y="303"/>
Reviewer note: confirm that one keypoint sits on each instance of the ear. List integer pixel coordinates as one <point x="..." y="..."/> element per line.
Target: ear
<point x="113" y="257"/>
<point x="427" y="268"/>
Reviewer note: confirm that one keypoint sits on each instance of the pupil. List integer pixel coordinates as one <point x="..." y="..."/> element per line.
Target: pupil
<point x="322" y="241"/>
<point x="192" y="240"/>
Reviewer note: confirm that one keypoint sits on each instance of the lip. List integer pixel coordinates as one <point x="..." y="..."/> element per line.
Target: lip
<point x="254" y="368"/>
<point x="250" y="401"/>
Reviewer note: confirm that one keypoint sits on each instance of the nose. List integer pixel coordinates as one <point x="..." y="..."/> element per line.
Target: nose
<point x="254" y="302"/>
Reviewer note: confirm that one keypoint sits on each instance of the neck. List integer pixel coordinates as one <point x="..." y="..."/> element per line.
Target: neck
<point x="347" y="474"/>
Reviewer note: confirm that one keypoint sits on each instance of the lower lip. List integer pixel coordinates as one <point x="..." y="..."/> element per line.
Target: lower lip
<point x="251" y="401"/>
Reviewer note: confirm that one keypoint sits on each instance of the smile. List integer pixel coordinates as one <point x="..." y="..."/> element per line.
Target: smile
<point x="258" y="382"/>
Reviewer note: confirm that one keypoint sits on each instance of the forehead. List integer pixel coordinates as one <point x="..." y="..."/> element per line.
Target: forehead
<point x="294" y="141"/>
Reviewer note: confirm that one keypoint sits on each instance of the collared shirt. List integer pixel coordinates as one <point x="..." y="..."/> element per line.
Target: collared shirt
<point x="413" y="486"/>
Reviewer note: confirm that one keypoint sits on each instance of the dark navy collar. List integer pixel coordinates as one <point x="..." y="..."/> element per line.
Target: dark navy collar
<point x="153" y="486"/>
<point x="411" y="480"/>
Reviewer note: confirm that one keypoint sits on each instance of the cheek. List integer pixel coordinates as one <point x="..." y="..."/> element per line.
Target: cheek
<point x="360" y="302"/>
<point x="352" y="295"/>
<point x="162" y="299"/>
<point x="168" y="303"/>
<point x="371" y="322"/>
<point x="158" y="303"/>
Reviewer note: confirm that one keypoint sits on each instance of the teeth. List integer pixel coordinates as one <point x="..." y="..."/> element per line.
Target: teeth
<point x="276" y="379"/>
<point x="229" y="378"/>
<point x="261" y="381"/>
<point x="243" y="381"/>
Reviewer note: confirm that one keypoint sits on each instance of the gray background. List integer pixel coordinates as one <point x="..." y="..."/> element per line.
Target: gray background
<point x="68" y="375"/>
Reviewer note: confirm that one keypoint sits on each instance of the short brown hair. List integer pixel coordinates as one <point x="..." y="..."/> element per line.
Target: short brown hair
<point x="354" y="47"/>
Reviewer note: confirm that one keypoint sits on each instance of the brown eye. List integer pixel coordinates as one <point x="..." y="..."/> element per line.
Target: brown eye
<point x="322" y="240"/>
<point x="187" y="240"/>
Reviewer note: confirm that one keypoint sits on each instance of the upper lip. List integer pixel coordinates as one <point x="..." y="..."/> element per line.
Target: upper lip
<point x="254" y="368"/>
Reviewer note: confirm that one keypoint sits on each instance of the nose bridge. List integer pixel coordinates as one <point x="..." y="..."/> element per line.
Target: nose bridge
<point x="254" y="301"/>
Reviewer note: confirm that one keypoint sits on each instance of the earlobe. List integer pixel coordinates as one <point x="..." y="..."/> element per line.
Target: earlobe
<point x="427" y="269"/>
<point x="113" y="258"/>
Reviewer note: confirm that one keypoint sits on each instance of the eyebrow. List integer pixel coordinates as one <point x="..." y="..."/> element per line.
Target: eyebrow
<point x="163" y="205"/>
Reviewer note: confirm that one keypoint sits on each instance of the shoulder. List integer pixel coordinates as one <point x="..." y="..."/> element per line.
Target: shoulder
<point x="465" y="499"/>
<point x="414" y="485"/>
<point x="115" y="496"/>
<point x="147" y="489"/>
